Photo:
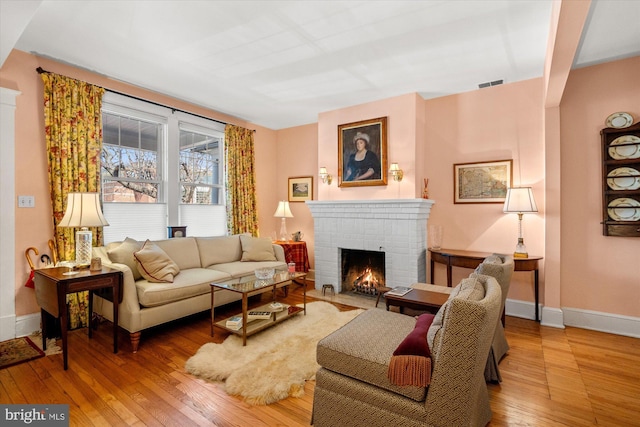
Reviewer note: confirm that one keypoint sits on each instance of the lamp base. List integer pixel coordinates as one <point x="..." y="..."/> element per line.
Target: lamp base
<point x="84" y="239"/>
<point x="283" y="230"/>
<point x="521" y="249"/>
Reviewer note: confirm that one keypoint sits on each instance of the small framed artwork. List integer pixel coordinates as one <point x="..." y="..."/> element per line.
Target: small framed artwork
<point x="482" y="182"/>
<point x="301" y="189"/>
<point x="362" y="153"/>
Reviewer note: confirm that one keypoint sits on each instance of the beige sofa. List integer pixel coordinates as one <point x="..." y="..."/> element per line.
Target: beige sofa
<point x="352" y="385"/>
<point x="169" y="279"/>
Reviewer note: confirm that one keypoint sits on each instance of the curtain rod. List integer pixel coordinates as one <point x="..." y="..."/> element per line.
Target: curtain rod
<point x="41" y="70"/>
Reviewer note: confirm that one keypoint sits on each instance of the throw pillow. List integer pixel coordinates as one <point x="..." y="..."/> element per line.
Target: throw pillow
<point x="411" y="361"/>
<point x="415" y="343"/>
<point x="123" y="254"/>
<point x="155" y="265"/>
<point x="257" y="248"/>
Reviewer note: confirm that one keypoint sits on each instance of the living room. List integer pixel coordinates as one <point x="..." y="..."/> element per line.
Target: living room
<point x="548" y="125"/>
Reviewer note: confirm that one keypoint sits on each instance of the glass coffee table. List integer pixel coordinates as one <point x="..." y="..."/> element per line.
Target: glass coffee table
<point x="276" y="312"/>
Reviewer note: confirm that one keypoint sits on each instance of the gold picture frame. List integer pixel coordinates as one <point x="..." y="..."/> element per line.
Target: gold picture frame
<point x="373" y="165"/>
<point x="300" y="189"/>
<point x="485" y="182"/>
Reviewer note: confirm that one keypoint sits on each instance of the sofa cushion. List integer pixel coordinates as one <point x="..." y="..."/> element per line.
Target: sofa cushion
<point x="256" y="248"/>
<point x="362" y="349"/>
<point x="189" y="283"/>
<point x="183" y="251"/>
<point x="247" y="268"/>
<point x="123" y="254"/>
<point x="219" y="250"/>
<point x="154" y="264"/>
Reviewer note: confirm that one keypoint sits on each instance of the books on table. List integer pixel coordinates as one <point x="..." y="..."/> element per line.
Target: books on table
<point x="398" y="291"/>
<point x="235" y="322"/>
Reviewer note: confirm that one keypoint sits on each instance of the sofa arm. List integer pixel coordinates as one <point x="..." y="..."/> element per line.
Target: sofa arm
<point x="279" y="252"/>
<point x="130" y="303"/>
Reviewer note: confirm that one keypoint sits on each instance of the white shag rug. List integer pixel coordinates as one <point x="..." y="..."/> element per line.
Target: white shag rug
<point x="275" y="362"/>
<point x="52" y="346"/>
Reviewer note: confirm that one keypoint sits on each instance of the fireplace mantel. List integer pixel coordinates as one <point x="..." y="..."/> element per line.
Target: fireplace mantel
<point x="397" y="227"/>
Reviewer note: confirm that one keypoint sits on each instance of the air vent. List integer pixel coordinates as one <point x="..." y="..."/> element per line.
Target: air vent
<point x="488" y="84"/>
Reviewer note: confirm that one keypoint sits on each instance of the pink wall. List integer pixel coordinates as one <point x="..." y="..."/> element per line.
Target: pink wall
<point x="598" y="273"/>
<point x="497" y="123"/>
<point x="297" y="154"/>
<point x="401" y="113"/>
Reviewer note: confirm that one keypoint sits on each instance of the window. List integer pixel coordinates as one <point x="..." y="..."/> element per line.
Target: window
<point x="160" y="168"/>
<point x="199" y="166"/>
<point x="130" y="152"/>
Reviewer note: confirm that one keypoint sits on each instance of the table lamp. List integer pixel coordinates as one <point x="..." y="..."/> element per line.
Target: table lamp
<point x="283" y="211"/>
<point x="83" y="210"/>
<point x="520" y="200"/>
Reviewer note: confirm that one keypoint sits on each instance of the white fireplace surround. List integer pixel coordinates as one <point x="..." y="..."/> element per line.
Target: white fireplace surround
<point x="397" y="227"/>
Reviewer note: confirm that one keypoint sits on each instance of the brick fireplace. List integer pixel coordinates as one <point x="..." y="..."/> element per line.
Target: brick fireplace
<point x="396" y="227"/>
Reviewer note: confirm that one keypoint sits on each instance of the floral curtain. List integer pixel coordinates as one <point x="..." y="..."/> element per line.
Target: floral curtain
<point x="242" y="213"/>
<point x="73" y="133"/>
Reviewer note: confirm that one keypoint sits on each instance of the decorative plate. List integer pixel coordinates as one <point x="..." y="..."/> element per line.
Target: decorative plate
<point x="624" y="209"/>
<point x="619" y="120"/>
<point x="624" y="179"/>
<point x="623" y="147"/>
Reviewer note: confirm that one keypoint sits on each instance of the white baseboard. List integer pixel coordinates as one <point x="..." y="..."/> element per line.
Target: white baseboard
<point x="553" y="317"/>
<point x="586" y="319"/>
<point x="603" y="322"/>
<point x="26" y="325"/>
<point x="522" y="309"/>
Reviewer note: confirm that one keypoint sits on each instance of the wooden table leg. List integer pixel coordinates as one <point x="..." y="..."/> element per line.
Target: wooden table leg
<point x="536" y="289"/>
<point x="116" y="298"/>
<point x="245" y="308"/>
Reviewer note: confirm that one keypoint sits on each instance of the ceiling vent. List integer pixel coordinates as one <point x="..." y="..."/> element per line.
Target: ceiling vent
<point x="488" y="84"/>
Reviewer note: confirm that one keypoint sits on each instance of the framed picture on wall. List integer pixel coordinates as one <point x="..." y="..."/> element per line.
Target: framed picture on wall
<point x="301" y="189"/>
<point x="482" y="182"/>
<point x="362" y="153"/>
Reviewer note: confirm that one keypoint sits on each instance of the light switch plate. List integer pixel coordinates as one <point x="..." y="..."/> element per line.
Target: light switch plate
<point x="26" y="201"/>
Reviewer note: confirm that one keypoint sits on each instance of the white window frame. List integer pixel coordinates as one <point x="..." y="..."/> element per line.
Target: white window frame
<point x="206" y="220"/>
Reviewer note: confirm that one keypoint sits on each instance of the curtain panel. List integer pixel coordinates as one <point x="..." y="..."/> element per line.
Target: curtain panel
<point x="242" y="212"/>
<point x="73" y="134"/>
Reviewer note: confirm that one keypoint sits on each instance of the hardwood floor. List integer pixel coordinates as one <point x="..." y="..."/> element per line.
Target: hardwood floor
<point x="570" y="377"/>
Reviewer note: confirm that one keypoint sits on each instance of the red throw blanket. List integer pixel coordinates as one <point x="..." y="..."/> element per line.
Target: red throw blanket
<point x="411" y="361"/>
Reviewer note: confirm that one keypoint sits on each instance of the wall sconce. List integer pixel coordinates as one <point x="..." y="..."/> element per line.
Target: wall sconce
<point x="396" y="172"/>
<point x="520" y="201"/>
<point x="325" y="176"/>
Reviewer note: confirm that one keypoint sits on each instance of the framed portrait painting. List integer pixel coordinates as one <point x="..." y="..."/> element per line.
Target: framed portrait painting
<point x="301" y="189"/>
<point x="362" y="153"/>
<point x="482" y="182"/>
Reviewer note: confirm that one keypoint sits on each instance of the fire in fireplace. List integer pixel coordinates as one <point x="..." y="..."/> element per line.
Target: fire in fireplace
<point x="362" y="271"/>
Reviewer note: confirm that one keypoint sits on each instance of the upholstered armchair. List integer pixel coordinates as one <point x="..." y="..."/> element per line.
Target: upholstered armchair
<point x="501" y="268"/>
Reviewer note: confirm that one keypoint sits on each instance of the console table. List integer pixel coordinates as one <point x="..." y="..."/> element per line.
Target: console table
<point x="52" y="286"/>
<point x="471" y="259"/>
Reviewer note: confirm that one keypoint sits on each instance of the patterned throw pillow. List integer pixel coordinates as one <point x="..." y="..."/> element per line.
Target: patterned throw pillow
<point x="155" y="265"/>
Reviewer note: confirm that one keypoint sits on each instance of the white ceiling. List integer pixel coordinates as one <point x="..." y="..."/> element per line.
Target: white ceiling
<point x="280" y="63"/>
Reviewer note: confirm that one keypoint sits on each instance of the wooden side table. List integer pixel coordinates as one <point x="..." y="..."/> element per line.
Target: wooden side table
<point x="418" y="299"/>
<point x="296" y="252"/>
<point x="471" y="259"/>
<point x="52" y="287"/>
